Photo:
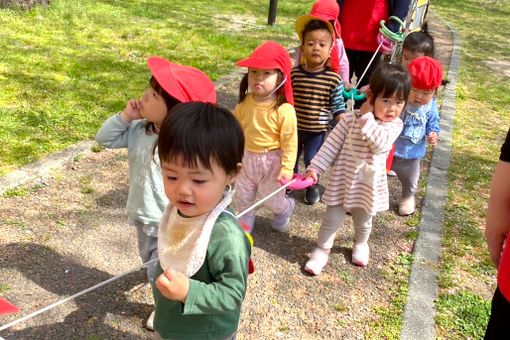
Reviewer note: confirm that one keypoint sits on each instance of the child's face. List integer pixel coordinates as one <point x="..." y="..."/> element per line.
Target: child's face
<point x="153" y="107"/>
<point x="194" y="191"/>
<point x="316" y="47"/>
<point x="419" y="97"/>
<point x="262" y="82"/>
<point x="408" y="56"/>
<point x="388" y="108"/>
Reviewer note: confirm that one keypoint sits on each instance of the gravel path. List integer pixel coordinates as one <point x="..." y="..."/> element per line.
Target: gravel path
<point x="67" y="231"/>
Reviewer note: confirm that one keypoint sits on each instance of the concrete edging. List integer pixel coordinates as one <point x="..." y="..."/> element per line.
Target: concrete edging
<point x="418" y="321"/>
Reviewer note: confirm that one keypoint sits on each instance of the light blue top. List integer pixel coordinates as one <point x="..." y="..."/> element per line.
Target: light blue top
<point x="146" y="199"/>
<point x="419" y="121"/>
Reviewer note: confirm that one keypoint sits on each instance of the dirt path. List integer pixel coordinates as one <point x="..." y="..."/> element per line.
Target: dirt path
<point x="68" y="232"/>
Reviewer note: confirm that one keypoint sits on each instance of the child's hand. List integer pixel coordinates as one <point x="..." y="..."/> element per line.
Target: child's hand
<point x="339" y="117"/>
<point x="432" y="138"/>
<point x="173" y="285"/>
<point x="312" y="174"/>
<point x="132" y="111"/>
<point x="347" y="86"/>
<point x="366" y="107"/>
<point x="364" y="88"/>
<point x="285" y="177"/>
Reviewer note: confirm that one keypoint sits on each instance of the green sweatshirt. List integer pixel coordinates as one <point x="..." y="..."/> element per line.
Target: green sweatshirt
<point x="216" y="291"/>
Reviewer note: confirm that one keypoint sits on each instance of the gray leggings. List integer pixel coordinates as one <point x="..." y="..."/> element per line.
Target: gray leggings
<point x="408" y="173"/>
<point x="147" y="248"/>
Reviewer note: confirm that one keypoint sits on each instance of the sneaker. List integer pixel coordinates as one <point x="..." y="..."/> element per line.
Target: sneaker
<point x="281" y="222"/>
<point x="312" y="195"/>
<point x="360" y="253"/>
<point x="248" y="221"/>
<point x="317" y="261"/>
<point x="150" y="322"/>
<point x="407" y="206"/>
<point x="392" y="173"/>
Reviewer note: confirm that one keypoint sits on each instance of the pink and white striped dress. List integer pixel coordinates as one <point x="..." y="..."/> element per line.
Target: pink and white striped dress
<point x="369" y="143"/>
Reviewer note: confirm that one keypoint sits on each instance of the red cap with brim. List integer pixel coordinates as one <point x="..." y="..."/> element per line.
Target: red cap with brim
<point x="184" y="83"/>
<point x="327" y="10"/>
<point x="272" y="56"/>
<point x="426" y="73"/>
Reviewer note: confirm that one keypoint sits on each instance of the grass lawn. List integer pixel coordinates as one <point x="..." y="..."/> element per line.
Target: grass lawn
<point x="66" y="67"/>
<point x="467" y="279"/>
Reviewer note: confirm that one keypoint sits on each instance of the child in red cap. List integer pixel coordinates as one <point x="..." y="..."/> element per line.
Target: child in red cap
<point x="317" y="91"/>
<point x="269" y="123"/>
<point x="136" y="128"/>
<point x="328" y="10"/>
<point x="421" y="127"/>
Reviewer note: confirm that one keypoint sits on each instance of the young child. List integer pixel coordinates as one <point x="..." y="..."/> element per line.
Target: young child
<point x="328" y="10"/>
<point x="203" y="251"/>
<point x="317" y="91"/>
<point x="421" y="126"/>
<point x="417" y="44"/>
<point x="357" y="147"/>
<point x="136" y="128"/>
<point x="269" y="123"/>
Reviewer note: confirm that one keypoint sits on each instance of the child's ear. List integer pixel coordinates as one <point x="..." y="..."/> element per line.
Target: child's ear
<point x="232" y="178"/>
<point x="370" y="94"/>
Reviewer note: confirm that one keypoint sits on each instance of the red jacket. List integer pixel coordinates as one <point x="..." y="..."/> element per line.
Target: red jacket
<point x="360" y="22"/>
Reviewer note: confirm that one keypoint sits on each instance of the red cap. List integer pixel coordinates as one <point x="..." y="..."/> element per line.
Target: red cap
<point x="272" y="56"/>
<point x="426" y="73"/>
<point x="327" y="10"/>
<point x="184" y="83"/>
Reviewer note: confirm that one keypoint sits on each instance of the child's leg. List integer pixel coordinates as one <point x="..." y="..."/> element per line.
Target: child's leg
<point x="332" y="220"/>
<point x="246" y="188"/>
<point x="408" y="172"/>
<point x="362" y="228"/>
<point x="311" y="148"/>
<point x="279" y="204"/>
<point x="147" y="248"/>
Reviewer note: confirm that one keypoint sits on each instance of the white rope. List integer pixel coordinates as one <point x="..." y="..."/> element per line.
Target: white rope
<point x="146" y="264"/>
<point x="369" y="63"/>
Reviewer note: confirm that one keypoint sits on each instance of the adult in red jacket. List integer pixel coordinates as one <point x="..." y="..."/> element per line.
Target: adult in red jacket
<point x="360" y="23"/>
<point x="497" y="234"/>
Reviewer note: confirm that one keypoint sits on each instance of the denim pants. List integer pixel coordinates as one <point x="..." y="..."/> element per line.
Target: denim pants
<point x="310" y="143"/>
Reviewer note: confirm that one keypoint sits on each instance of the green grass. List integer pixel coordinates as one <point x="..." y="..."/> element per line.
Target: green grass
<point x="467" y="277"/>
<point x="66" y="67"/>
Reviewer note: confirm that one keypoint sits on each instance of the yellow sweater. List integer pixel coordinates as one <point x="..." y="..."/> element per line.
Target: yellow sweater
<point x="266" y="129"/>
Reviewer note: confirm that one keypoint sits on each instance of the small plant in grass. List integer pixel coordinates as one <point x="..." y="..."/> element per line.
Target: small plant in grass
<point x="4" y="288"/>
<point x="340" y="307"/>
<point x="86" y="187"/>
<point x="465" y="313"/>
<point x="97" y="148"/>
<point x="22" y="191"/>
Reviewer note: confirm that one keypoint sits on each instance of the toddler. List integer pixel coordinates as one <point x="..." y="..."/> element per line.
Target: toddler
<point x="317" y="91"/>
<point x="136" y="128"/>
<point x="203" y="251"/>
<point x="357" y="147"/>
<point x="268" y="119"/>
<point x="417" y="44"/>
<point x="421" y="126"/>
<point x="328" y="10"/>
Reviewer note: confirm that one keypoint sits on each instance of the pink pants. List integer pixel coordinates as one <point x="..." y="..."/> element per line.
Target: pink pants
<point x="259" y="174"/>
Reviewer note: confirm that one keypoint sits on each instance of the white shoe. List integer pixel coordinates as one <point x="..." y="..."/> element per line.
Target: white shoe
<point x="392" y="173"/>
<point x="318" y="261"/>
<point x="150" y="322"/>
<point x="360" y="254"/>
<point x="407" y="206"/>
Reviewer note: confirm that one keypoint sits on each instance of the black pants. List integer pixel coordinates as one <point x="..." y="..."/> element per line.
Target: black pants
<point x="358" y="61"/>
<point x="499" y="322"/>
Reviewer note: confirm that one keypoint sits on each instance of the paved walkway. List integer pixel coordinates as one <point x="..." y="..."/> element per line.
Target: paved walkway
<point x="418" y="322"/>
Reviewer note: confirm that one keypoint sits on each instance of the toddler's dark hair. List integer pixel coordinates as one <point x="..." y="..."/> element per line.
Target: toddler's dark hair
<point x="280" y="97"/>
<point x="200" y="133"/>
<point x="389" y="79"/>
<point x="420" y="41"/>
<point x="169" y="101"/>
<point x="314" y="25"/>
